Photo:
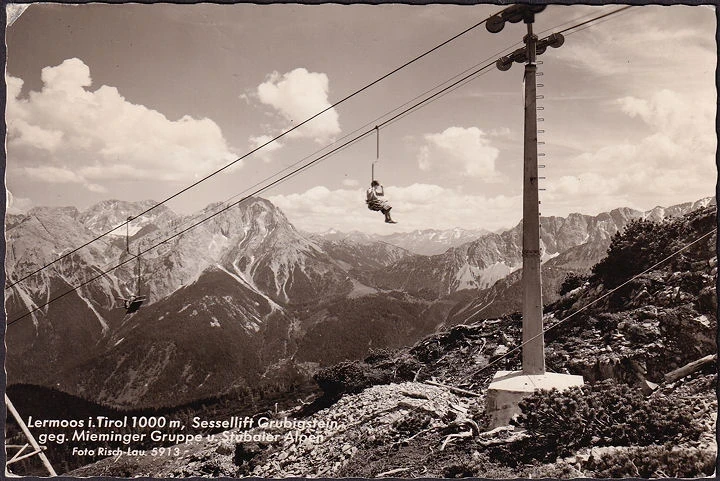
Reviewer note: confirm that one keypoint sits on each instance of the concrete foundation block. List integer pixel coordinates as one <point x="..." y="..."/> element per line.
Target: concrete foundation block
<point x="508" y="388"/>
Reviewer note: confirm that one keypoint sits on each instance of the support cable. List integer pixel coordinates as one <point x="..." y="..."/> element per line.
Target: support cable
<point x="193" y="218"/>
<point x="457" y="86"/>
<point x="353" y="94"/>
<point x="281" y="179"/>
<point x="596" y="18"/>
<point x="257" y="191"/>
<point x="511" y="351"/>
<point x="194" y="184"/>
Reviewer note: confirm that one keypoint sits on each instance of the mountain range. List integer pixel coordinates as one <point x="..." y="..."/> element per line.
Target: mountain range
<point x="425" y="242"/>
<point x="247" y="291"/>
<point x="641" y="334"/>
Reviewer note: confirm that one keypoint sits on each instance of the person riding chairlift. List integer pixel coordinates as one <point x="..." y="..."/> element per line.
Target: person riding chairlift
<point x="374" y="201"/>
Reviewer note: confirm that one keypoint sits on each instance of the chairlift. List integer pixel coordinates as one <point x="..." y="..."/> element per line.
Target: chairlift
<point x="132" y="304"/>
<point x="374" y="204"/>
<point x="134" y="301"/>
<point x="372" y="200"/>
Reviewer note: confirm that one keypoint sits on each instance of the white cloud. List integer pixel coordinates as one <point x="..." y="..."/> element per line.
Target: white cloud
<point x="29" y="135"/>
<point x="69" y="77"/>
<point x="61" y="175"/>
<point x="16" y="205"/>
<point x="68" y="133"/>
<point x="350" y="182"/>
<point x="257" y="141"/>
<point x="298" y="95"/>
<point x="683" y="118"/>
<point x="417" y="206"/>
<point x="501" y="132"/>
<point x="264" y="152"/>
<point x="54" y="175"/>
<point x="646" y="36"/>
<point x="674" y="161"/>
<point x="467" y="149"/>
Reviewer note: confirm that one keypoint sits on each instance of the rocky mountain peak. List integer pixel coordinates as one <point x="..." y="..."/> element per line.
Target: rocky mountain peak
<point x="646" y="353"/>
<point x="241" y="311"/>
<point x="67" y="211"/>
<point x="107" y="214"/>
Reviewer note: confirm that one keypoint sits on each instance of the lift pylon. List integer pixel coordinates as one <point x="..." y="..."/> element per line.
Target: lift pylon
<point x="508" y="388"/>
<point x="22" y="448"/>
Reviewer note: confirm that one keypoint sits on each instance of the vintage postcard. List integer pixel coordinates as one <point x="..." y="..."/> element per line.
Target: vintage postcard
<point x="360" y="241"/>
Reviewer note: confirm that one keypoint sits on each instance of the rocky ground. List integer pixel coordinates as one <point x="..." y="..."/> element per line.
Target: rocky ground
<point x="423" y="428"/>
<point x="420" y="411"/>
<point x="409" y="429"/>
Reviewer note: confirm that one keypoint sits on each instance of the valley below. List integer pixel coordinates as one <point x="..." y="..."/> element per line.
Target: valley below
<point x="377" y="352"/>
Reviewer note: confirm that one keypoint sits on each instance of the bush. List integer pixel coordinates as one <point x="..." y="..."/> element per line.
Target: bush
<point x="640" y="245"/>
<point x="653" y="462"/>
<point x="602" y="414"/>
<point x="412" y="424"/>
<point x="349" y="377"/>
<point x="572" y="281"/>
<point x="460" y="470"/>
<point x="376" y="356"/>
<point x="402" y="367"/>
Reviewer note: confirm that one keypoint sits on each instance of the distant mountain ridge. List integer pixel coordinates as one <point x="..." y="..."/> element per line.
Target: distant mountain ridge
<point x="646" y="353"/>
<point x="240" y="284"/>
<point x="245" y="283"/>
<point x="480" y="263"/>
<point x="423" y="242"/>
<point x="108" y="214"/>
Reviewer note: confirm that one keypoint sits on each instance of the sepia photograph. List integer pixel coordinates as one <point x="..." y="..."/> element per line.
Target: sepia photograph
<point x="360" y="240"/>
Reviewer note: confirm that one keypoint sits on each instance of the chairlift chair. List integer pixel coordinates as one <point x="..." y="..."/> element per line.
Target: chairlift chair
<point x="132" y="304"/>
<point x="134" y="301"/>
<point x="374" y="204"/>
<point x="371" y="200"/>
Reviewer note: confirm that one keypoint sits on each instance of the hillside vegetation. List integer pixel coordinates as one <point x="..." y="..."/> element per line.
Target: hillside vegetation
<point x="420" y="411"/>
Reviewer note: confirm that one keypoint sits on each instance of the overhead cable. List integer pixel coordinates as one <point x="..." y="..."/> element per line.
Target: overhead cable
<point x="258" y="191"/>
<point x="104" y="234"/>
<point x="212" y="174"/>
<point x="281" y="179"/>
<point x="654" y="266"/>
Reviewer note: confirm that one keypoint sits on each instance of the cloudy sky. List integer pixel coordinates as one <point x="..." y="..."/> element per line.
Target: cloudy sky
<point x="136" y="102"/>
